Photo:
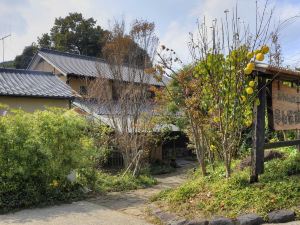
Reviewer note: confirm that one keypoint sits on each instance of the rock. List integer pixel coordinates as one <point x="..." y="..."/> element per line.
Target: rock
<point x="249" y="219"/>
<point x="197" y="222"/>
<point x="72" y="176"/>
<point x="269" y="155"/>
<point x="178" y="222"/>
<point x="281" y="216"/>
<point x="163" y="216"/>
<point x="168" y="218"/>
<point x="221" y="221"/>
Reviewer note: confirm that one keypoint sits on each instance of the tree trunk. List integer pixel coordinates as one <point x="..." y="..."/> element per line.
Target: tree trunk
<point x="137" y="164"/>
<point x="228" y="166"/>
<point x="298" y="137"/>
<point x="201" y="159"/>
<point x="284" y="135"/>
<point x="203" y="166"/>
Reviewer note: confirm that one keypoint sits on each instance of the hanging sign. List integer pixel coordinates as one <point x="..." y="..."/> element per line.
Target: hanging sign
<point x="286" y="106"/>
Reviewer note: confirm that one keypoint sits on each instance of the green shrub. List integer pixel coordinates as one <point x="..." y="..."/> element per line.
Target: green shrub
<point x="37" y="152"/>
<point x="106" y="182"/>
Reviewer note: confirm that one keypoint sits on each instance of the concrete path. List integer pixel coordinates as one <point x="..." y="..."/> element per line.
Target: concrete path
<point x="119" y="208"/>
<point x="83" y="212"/>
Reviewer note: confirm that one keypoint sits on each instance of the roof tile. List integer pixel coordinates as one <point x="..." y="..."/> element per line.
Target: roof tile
<point x="69" y="63"/>
<point x="32" y="83"/>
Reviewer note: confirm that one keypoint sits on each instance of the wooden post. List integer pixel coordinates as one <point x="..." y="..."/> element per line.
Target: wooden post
<point x="258" y="141"/>
<point x="269" y="108"/>
<point x="298" y="137"/>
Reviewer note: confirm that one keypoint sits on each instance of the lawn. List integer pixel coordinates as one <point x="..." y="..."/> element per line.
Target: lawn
<point x="214" y="195"/>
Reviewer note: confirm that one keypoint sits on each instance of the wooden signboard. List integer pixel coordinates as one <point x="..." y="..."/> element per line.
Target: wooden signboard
<point x="285" y="106"/>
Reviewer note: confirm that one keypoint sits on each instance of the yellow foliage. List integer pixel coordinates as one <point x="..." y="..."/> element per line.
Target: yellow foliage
<point x="216" y="119"/>
<point x="243" y="98"/>
<point x="257" y="51"/>
<point x="250" y="55"/>
<point x="54" y="183"/>
<point x="248" y="123"/>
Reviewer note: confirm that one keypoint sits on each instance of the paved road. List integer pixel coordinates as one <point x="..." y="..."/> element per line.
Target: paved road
<point x="79" y="213"/>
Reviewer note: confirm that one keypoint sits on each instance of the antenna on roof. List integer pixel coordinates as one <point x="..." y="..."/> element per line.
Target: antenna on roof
<point x="2" y="39"/>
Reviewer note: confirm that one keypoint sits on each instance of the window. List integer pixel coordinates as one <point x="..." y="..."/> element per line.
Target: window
<point x="83" y="90"/>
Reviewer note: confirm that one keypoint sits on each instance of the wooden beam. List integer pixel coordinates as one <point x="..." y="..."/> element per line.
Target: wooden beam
<point x="282" y="144"/>
<point x="258" y="141"/>
<point x="276" y="76"/>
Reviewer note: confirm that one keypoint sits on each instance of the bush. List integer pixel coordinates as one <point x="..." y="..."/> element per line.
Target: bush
<point x="37" y="152"/>
<point x="106" y="182"/>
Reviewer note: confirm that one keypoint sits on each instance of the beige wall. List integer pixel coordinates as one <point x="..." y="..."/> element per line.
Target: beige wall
<point x="75" y="83"/>
<point x="31" y="104"/>
<point x="46" y="67"/>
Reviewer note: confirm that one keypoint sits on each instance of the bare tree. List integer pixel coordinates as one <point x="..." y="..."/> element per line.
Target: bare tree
<point x="125" y="95"/>
<point x="275" y="57"/>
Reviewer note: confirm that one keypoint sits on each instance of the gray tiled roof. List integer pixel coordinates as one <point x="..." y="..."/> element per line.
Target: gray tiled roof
<point x="73" y="64"/>
<point x="111" y="108"/>
<point x="32" y="83"/>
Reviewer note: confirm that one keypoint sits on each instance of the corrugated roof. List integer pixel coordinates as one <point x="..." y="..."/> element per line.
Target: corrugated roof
<point x="277" y="71"/>
<point x="73" y="64"/>
<point x="32" y="83"/>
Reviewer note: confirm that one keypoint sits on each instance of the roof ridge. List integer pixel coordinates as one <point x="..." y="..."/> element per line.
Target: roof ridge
<point x="25" y="71"/>
<point x="47" y="50"/>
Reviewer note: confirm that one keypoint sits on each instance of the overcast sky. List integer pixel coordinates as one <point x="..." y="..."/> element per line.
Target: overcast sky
<point x="28" y="19"/>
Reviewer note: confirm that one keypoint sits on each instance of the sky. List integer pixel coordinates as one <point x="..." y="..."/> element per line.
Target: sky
<point x="25" y="20"/>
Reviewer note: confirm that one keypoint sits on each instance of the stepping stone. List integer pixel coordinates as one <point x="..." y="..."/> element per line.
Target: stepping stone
<point x="250" y="219"/>
<point x="281" y="216"/>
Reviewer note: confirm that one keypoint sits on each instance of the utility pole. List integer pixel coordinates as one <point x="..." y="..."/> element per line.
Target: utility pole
<point x="2" y="39"/>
